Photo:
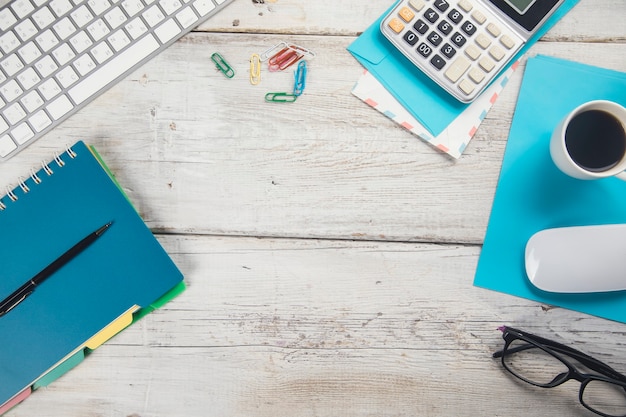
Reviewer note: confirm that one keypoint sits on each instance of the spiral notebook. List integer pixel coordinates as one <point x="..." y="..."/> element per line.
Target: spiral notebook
<point x="123" y="275"/>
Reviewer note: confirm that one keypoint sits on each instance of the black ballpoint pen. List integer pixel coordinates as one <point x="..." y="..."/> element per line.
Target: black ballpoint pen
<point x="25" y="290"/>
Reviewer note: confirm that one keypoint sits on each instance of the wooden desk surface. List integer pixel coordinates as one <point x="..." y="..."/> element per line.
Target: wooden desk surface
<point x="329" y="254"/>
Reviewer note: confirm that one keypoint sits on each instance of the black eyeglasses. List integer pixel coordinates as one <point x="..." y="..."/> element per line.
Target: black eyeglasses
<point x="541" y="362"/>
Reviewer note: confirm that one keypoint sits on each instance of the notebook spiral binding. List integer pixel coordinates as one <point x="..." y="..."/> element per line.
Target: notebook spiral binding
<point x="36" y="176"/>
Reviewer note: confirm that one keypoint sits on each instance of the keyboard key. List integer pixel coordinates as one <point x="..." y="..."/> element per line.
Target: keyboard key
<point x="203" y="7"/>
<point x="444" y="27"/>
<point x="479" y="17"/>
<point x="434" y="38"/>
<point x="59" y="107"/>
<point x="64" y="28"/>
<point x="60" y="7"/>
<point x="102" y="52"/>
<point x="47" y="40"/>
<point x="119" y="40"/>
<point x="448" y="50"/>
<point x="424" y="50"/>
<point x="136" y="28"/>
<point x="46" y="66"/>
<point x="98" y="6"/>
<point x="468" y="27"/>
<point x="466" y="87"/>
<point x="29" y="52"/>
<point x="6" y="145"/>
<point x="494" y="30"/>
<point x="455" y="16"/>
<point x="476" y="75"/>
<point x="81" y="16"/>
<point x="410" y="38"/>
<point x="132" y="7"/>
<point x="40" y="121"/>
<point x="466" y="5"/>
<point x="22" y="8"/>
<point x="496" y="53"/>
<point x="67" y="76"/>
<point x="8" y="42"/>
<point x="187" y="17"/>
<point x="154" y="16"/>
<point x="11" y="65"/>
<point x="115" y="17"/>
<point x="98" y="30"/>
<point x="170" y="6"/>
<point x="113" y="69"/>
<point x="32" y="101"/>
<point x="81" y="42"/>
<point x="43" y="17"/>
<point x="421" y="27"/>
<point x="472" y="52"/>
<point x="507" y="42"/>
<point x="26" y="30"/>
<point x="22" y="133"/>
<point x="49" y="89"/>
<point x="486" y="64"/>
<point x="63" y="54"/>
<point x="28" y="78"/>
<point x="167" y="31"/>
<point x="458" y="39"/>
<point x="10" y="91"/>
<point x="14" y="113"/>
<point x="483" y="41"/>
<point x="84" y="65"/>
<point x="7" y="19"/>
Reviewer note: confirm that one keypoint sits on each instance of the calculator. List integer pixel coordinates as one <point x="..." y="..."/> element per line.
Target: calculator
<point x="462" y="45"/>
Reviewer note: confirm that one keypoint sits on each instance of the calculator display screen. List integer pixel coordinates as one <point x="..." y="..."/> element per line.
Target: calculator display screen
<point x="521" y="6"/>
<point x="527" y="13"/>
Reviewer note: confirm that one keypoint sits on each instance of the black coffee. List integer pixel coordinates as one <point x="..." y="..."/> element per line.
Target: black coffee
<point x="595" y="140"/>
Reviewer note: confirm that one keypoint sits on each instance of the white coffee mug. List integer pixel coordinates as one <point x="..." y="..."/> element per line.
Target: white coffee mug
<point x="590" y="142"/>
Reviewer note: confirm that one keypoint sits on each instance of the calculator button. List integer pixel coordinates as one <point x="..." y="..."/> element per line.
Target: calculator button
<point x="417" y="4"/>
<point x="396" y="25"/>
<point x="420" y="26"/>
<point x="406" y="14"/>
<point x="472" y="52"/>
<point x="455" y="16"/>
<point x="486" y="64"/>
<point x="431" y="15"/>
<point x="442" y="5"/>
<point x="424" y="50"/>
<point x="476" y="75"/>
<point x="448" y="50"/>
<point x="468" y="27"/>
<point x="444" y="27"/>
<point x="410" y="38"/>
<point x="457" y="69"/>
<point x="479" y="17"/>
<point x="458" y="39"/>
<point x="434" y="38"/>
<point x="493" y="29"/>
<point x="496" y="53"/>
<point x="507" y="42"/>
<point x="438" y="62"/>
<point x="483" y="41"/>
<point x="466" y="5"/>
<point x="466" y="87"/>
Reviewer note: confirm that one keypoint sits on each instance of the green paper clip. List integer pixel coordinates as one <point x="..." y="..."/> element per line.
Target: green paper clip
<point x="280" y="97"/>
<point x="222" y="65"/>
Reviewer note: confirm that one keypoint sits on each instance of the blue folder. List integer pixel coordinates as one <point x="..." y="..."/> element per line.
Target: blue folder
<point x="532" y="194"/>
<point x="425" y="100"/>
<point x="124" y="269"/>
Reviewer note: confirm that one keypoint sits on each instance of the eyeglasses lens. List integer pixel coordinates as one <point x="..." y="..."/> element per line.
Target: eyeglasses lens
<point x="605" y="397"/>
<point x="532" y="364"/>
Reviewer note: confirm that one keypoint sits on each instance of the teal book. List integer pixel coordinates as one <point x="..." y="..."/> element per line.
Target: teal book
<point x="121" y="276"/>
<point x="532" y="194"/>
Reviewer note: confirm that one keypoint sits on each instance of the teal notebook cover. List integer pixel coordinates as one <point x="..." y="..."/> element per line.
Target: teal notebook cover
<point x="532" y="194"/>
<point x="125" y="267"/>
<point x="422" y="97"/>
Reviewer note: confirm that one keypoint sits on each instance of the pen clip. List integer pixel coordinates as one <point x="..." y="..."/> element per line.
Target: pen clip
<point x="15" y="303"/>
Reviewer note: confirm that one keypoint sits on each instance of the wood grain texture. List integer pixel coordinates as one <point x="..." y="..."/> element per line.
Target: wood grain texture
<point x="329" y="254"/>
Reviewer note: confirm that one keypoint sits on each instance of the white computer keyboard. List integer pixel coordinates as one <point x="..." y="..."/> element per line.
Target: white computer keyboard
<point x="57" y="55"/>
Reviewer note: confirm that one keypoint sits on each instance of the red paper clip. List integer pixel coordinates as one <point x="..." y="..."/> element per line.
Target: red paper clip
<point x="284" y="59"/>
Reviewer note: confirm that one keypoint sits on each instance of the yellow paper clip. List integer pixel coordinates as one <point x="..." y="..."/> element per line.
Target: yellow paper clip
<point x="280" y="97"/>
<point x="255" y="69"/>
<point x="222" y="65"/>
<point x="300" y="79"/>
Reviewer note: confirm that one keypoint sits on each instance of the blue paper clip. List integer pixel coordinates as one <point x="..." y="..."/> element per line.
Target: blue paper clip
<point x="300" y="79"/>
<point x="222" y="65"/>
<point x="280" y="97"/>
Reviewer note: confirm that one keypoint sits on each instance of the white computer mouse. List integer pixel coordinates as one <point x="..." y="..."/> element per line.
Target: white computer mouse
<point x="578" y="259"/>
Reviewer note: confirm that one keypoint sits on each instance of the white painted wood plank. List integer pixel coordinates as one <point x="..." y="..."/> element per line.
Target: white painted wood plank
<point x="272" y="327"/>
